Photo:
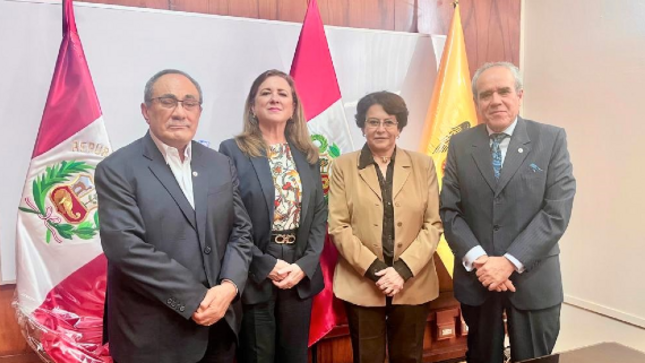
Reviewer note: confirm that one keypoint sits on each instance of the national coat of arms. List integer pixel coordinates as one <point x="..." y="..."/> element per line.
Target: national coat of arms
<point x="64" y="197"/>
<point x="327" y="154"/>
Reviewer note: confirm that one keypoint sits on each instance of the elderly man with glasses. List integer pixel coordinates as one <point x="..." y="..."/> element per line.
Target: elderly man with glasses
<point x="176" y="236"/>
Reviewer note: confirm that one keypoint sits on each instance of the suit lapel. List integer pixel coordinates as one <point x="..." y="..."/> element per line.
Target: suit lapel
<point x="201" y="180"/>
<point x="165" y="176"/>
<point x="483" y="159"/>
<point x="518" y="150"/>
<point x="306" y="180"/>
<point x="402" y="170"/>
<point x="263" y="171"/>
<point x="368" y="174"/>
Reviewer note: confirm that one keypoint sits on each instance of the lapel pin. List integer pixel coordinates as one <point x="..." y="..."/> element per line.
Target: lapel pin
<point x="520" y="150"/>
<point x="195" y="173"/>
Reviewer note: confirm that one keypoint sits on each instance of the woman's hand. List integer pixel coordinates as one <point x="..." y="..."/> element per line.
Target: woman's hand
<point x="292" y="275"/>
<point x="275" y="275"/>
<point x="390" y="283"/>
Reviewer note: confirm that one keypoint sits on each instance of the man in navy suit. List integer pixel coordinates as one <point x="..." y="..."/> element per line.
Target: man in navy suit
<point x="506" y="200"/>
<point x="176" y="236"/>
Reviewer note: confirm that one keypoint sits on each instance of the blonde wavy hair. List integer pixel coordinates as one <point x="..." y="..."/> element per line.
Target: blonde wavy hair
<point x="251" y="142"/>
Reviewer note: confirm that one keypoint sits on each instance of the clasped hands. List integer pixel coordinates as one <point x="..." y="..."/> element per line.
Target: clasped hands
<point x="493" y="273"/>
<point x="213" y="306"/>
<point x="286" y="275"/>
<point x="390" y="282"/>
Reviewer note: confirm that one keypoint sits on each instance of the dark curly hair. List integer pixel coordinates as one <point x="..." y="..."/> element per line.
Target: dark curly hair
<point x="392" y="104"/>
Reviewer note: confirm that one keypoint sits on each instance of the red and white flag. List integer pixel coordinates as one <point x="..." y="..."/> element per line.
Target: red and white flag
<point x="61" y="269"/>
<point x="313" y="72"/>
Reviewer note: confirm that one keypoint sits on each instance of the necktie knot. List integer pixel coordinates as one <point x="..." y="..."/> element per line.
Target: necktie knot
<point x="498" y="138"/>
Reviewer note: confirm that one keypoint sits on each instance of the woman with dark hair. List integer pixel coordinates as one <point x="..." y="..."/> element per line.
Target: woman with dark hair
<point x="384" y="220"/>
<point x="281" y="189"/>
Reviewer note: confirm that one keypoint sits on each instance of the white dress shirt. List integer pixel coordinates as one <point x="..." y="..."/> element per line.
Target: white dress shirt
<point x="477" y="251"/>
<point x="181" y="170"/>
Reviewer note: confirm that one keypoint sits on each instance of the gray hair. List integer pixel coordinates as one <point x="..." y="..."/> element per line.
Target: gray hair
<point x="508" y="65"/>
<point x="147" y="92"/>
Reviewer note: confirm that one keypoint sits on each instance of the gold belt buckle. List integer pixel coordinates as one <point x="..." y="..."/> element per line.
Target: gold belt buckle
<point x="285" y="239"/>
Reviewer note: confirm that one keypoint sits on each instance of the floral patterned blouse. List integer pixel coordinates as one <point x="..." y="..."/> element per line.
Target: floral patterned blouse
<point x="288" y="188"/>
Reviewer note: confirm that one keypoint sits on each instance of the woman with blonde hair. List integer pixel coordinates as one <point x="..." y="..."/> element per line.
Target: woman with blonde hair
<point x="281" y="189"/>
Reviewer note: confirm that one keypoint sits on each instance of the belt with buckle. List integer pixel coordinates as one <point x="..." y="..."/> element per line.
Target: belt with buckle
<point x="284" y="237"/>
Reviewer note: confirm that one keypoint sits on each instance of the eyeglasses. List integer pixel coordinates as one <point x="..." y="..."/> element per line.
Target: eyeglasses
<point x="387" y="124"/>
<point x="170" y="102"/>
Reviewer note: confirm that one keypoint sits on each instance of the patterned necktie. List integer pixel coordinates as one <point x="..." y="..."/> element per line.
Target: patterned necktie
<point x="497" y="153"/>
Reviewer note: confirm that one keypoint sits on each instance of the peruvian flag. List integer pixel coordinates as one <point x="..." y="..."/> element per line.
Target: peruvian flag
<point x="61" y="267"/>
<point x="313" y="72"/>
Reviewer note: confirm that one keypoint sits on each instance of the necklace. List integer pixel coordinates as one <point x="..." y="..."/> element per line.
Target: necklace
<point x="384" y="159"/>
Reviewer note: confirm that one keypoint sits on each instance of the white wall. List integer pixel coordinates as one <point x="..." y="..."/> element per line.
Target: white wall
<point x="581" y="328"/>
<point x="584" y="70"/>
<point x="125" y="46"/>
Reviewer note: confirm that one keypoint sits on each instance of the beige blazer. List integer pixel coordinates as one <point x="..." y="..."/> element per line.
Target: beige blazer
<point x="356" y="225"/>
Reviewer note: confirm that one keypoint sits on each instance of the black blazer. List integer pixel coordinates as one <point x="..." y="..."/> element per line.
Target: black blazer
<point x="258" y="194"/>
<point x="163" y="255"/>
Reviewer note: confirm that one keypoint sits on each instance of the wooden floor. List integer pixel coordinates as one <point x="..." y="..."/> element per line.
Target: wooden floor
<point x="21" y="358"/>
<point x="13" y="347"/>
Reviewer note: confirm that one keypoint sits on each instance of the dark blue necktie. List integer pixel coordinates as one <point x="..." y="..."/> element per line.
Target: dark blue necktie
<point x="497" y="153"/>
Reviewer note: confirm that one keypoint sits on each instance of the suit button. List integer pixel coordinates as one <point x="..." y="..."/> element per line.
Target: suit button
<point x="399" y="224"/>
<point x="397" y="204"/>
<point x="207" y="250"/>
<point x="496" y="228"/>
<point x="399" y="245"/>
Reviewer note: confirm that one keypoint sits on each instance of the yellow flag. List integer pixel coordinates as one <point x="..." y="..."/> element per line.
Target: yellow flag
<point x="451" y="110"/>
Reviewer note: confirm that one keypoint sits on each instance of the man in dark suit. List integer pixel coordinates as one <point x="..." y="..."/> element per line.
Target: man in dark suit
<point x="506" y="200"/>
<point x="176" y="236"/>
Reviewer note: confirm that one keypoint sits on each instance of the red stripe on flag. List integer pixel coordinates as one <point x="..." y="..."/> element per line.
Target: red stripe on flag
<point x="71" y="317"/>
<point x="315" y="78"/>
<point x="327" y="311"/>
<point x="312" y="67"/>
<point x="72" y="103"/>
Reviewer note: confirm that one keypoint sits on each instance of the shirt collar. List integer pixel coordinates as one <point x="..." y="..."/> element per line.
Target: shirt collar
<point x="366" y="159"/>
<point x="169" y="151"/>
<point x="509" y="130"/>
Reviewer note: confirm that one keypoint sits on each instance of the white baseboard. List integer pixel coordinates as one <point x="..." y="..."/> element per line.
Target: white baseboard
<point x="606" y="311"/>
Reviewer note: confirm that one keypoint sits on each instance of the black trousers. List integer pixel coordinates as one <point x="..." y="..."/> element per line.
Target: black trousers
<point x="276" y="331"/>
<point x="221" y="344"/>
<point x="532" y="333"/>
<point x="401" y="325"/>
